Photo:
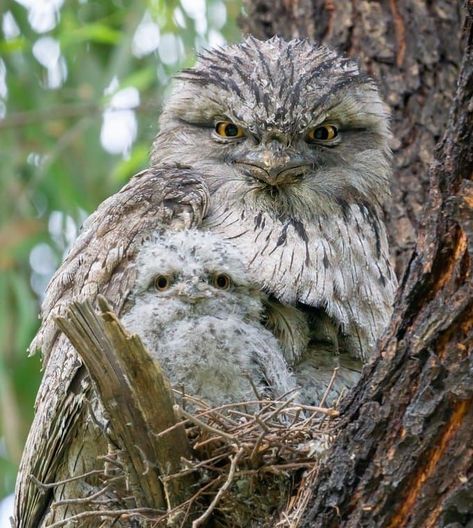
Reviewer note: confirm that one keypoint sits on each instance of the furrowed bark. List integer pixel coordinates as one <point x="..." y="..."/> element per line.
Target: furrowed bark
<point x="138" y="400"/>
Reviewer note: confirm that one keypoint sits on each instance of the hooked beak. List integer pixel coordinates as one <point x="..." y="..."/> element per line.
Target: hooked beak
<point x="274" y="165"/>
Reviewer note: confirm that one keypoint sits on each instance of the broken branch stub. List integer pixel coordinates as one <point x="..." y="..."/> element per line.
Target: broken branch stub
<point x="137" y="398"/>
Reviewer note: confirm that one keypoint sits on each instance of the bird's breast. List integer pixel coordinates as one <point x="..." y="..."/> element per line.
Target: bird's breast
<point x="338" y="264"/>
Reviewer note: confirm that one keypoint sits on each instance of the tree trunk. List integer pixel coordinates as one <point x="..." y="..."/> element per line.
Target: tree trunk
<point x="404" y="458"/>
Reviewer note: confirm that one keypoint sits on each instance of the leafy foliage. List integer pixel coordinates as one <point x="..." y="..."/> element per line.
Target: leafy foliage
<point x="81" y="84"/>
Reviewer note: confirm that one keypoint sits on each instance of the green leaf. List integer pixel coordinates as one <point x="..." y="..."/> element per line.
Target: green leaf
<point x="142" y="79"/>
<point x="127" y="168"/>
<point x="13" y="45"/>
<point x="91" y="32"/>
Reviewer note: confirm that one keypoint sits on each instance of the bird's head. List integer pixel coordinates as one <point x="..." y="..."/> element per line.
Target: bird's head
<point x="290" y="125"/>
<point x="194" y="273"/>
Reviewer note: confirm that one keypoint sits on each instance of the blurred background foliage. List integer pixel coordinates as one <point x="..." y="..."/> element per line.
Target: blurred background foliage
<point x="81" y="86"/>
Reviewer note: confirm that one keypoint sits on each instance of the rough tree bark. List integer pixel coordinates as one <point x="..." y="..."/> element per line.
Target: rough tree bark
<point x="405" y="456"/>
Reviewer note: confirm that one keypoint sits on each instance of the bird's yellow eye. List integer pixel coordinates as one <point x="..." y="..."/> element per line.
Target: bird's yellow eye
<point x="163" y="282"/>
<point x="228" y="129"/>
<point x="322" y="133"/>
<point x="221" y="281"/>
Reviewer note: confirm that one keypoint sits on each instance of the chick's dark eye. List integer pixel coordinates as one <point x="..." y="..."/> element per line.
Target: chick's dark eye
<point x="162" y="282"/>
<point x="228" y="129"/>
<point x="221" y="281"/>
<point x="322" y="133"/>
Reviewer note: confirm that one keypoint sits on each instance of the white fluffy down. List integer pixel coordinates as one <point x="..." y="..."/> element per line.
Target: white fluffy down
<point x="209" y="340"/>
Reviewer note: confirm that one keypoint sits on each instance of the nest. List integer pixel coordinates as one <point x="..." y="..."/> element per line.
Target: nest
<point x="248" y="464"/>
<point x="255" y="461"/>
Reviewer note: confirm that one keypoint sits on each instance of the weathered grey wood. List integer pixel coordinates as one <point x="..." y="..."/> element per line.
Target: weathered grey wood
<point x="404" y="458"/>
<point x="138" y="400"/>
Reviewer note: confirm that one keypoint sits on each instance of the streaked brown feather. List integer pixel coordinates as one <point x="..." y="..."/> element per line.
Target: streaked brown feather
<point x="170" y="197"/>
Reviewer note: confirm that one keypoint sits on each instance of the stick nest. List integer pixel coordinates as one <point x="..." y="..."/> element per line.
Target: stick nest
<point x="255" y="460"/>
<point x="247" y="464"/>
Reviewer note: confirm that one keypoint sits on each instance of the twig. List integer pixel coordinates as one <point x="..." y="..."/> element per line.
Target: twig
<point x="200" y="520"/>
<point x="110" y="460"/>
<point x="65" y="481"/>
<point x="292" y="516"/>
<point x="257" y="445"/>
<point x="329" y="387"/>
<point x="268" y="405"/>
<point x="329" y="411"/>
<point x="277" y="469"/>
<point x="253" y="386"/>
<point x="203" y="464"/>
<point x="279" y="409"/>
<point x="205" y="426"/>
<point x="207" y="441"/>
<point x="132" y="512"/>
<point x="81" y="500"/>
<point x="189" y="502"/>
<point x="63" y="111"/>
<point x="169" y="429"/>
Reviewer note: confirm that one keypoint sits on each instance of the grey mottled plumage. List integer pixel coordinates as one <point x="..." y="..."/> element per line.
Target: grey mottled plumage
<point x="204" y="322"/>
<point x="306" y="215"/>
<point x="306" y="212"/>
<point x="64" y="440"/>
<point x="286" y="149"/>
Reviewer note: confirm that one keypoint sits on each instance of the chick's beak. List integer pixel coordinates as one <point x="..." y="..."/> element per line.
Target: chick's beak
<point x="192" y="292"/>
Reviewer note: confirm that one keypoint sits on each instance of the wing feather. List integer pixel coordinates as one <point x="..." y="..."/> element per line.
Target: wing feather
<point x="100" y="262"/>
